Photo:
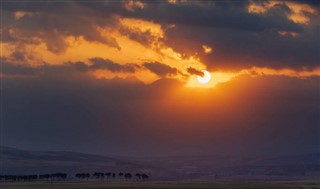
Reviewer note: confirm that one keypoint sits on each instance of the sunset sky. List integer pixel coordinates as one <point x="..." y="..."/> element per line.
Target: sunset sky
<point x="122" y="77"/>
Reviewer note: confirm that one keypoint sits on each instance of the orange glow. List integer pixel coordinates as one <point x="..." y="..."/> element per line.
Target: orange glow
<point x="285" y="72"/>
<point x="216" y="77"/>
<point x="221" y="77"/>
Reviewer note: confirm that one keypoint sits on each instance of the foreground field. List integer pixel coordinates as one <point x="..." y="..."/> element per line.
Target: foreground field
<point x="166" y="185"/>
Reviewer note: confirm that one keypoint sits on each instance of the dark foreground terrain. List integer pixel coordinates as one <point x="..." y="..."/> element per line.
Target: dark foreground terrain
<point x="211" y="168"/>
<point x="163" y="184"/>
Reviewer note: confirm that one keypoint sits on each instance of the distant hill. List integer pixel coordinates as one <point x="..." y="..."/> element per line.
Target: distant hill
<point x="16" y="161"/>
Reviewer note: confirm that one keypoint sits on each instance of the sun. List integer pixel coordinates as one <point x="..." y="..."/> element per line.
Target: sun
<point x="205" y="78"/>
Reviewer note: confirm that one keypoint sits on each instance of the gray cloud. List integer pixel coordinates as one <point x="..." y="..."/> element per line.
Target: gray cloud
<point x="161" y="70"/>
<point x="16" y="69"/>
<point x="11" y="68"/>
<point x="17" y="55"/>
<point x="52" y="21"/>
<point x="238" y="50"/>
<point x="218" y="14"/>
<point x="194" y="71"/>
<point x="100" y="63"/>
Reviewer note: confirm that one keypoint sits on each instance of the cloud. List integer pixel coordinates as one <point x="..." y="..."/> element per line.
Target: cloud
<point x="207" y="49"/>
<point x="12" y="69"/>
<point x="132" y="5"/>
<point x="272" y="39"/>
<point x="19" y="56"/>
<point x="314" y="3"/>
<point x="100" y="63"/>
<point x="194" y="71"/>
<point x="161" y="70"/>
<point x="209" y="14"/>
<point x="45" y="22"/>
<point x="16" y="69"/>
<point x="199" y="13"/>
<point x="238" y="50"/>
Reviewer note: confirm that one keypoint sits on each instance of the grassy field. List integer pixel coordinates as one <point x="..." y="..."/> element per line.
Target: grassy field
<point x="166" y="185"/>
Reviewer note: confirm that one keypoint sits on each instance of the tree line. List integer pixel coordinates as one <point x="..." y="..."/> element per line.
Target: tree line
<point x="26" y="178"/>
<point x="82" y="176"/>
<point x="109" y="175"/>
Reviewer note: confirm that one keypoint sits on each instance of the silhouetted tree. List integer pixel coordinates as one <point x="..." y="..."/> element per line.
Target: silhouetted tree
<point x="87" y="176"/>
<point x="83" y="175"/>
<point x="99" y="175"/>
<point x="108" y="175"/>
<point x="58" y="176"/>
<point x="127" y="176"/>
<point x="44" y="177"/>
<point x="144" y="176"/>
<point x="138" y="175"/>
<point x="120" y="175"/>
<point x="9" y="178"/>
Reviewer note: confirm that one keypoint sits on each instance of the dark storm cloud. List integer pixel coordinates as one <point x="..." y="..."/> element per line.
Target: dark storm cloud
<point x="100" y="63"/>
<point x="315" y="3"/>
<point x="236" y="34"/>
<point x="161" y="70"/>
<point x="265" y="114"/>
<point x="218" y="14"/>
<point x="243" y="49"/>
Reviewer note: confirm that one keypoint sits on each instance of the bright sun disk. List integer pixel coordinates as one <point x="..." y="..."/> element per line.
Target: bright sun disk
<point x="205" y="78"/>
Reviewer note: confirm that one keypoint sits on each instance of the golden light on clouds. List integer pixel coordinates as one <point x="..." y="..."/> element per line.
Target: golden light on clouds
<point x="139" y="41"/>
<point x="281" y="72"/>
<point x="259" y="8"/>
<point x="142" y="26"/>
<point x="207" y="49"/>
<point x="132" y="5"/>
<point x="286" y="33"/>
<point x="129" y="51"/>
<point x="20" y="14"/>
<point x="298" y="12"/>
